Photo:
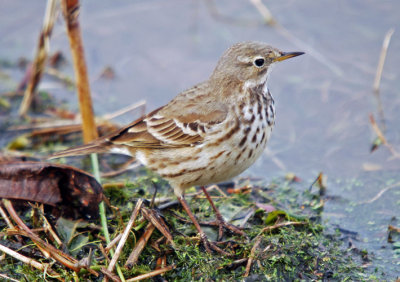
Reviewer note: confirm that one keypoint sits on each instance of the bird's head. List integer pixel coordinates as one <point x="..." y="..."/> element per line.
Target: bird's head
<point x="249" y="62"/>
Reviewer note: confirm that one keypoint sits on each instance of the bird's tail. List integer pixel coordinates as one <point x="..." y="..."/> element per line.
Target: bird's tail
<point x="95" y="147"/>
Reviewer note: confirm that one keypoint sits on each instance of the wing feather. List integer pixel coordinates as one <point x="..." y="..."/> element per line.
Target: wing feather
<point x="180" y="123"/>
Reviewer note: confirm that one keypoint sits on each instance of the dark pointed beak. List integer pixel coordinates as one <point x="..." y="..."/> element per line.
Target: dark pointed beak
<point x="288" y="55"/>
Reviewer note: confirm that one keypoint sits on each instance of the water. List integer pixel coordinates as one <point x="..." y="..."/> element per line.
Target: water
<point x="159" y="48"/>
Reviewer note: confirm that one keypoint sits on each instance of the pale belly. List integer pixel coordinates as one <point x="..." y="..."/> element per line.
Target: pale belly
<point x="205" y="165"/>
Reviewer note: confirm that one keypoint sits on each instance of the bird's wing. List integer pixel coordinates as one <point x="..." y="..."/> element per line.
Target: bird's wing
<point x="182" y="122"/>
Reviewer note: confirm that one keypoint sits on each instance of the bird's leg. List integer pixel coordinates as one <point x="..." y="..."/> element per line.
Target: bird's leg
<point x="207" y="244"/>
<point x="220" y="220"/>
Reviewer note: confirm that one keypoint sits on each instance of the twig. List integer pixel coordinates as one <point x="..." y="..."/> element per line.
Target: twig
<point x="252" y="255"/>
<point x="109" y="275"/>
<point x="384" y="190"/>
<point x="141" y="243"/>
<point x="30" y="261"/>
<point x="382" y="58"/>
<point x="49" y="228"/>
<point x="57" y="74"/>
<point x="151" y="274"/>
<point x="113" y="242"/>
<point x="125" y="235"/>
<point x="40" y="57"/>
<point x="7" y="220"/>
<point x="159" y="223"/>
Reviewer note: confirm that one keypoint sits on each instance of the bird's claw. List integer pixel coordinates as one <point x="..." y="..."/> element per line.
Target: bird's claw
<point x="210" y="246"/>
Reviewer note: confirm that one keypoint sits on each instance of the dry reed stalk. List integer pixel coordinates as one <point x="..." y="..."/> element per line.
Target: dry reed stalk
<point x="38" y="65"/>
<point x="71" y="12"/>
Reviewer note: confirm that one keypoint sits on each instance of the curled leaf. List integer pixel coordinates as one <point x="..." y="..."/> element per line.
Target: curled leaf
<point x="68" y="188"/>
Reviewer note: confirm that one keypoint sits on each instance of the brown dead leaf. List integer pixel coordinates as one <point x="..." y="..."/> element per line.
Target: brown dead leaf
<point x="72" y="190"/>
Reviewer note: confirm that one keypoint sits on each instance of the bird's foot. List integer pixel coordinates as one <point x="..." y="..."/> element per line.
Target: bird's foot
<point x="223" y="225"/>
<point x="210" y="246"/>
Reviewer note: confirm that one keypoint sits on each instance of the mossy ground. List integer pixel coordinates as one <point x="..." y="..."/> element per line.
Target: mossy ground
<point x="303" y="252"/>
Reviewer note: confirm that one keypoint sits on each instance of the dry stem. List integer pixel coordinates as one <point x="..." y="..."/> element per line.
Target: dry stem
<point x="71" y="12"/>
<point x="125" y="235"/>
<point x="39" y="62"/>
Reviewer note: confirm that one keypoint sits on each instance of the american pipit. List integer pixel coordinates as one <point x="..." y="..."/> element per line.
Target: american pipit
<point x="208" y="133"/>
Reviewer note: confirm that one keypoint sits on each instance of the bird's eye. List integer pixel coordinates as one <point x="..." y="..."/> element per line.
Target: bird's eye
<point x="259" y="62"/>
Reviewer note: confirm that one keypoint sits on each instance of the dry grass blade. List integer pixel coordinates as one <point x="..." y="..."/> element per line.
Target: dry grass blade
<point x="382" y="58"/>
<point x="71" y="12"/>
<point x="30" y="262"/>
<point x="40" y="57"/>
<point x="151" y="274"/>
<point x="110" y="275"/>
<point x="125" y="235"/>
<point x="141" y="243"/>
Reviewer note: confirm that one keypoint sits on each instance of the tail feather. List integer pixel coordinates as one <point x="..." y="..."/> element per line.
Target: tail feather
<point x="97" y="147"/>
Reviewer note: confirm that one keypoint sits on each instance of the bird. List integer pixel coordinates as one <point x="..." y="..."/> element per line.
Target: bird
<point x="207" y="134"/>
